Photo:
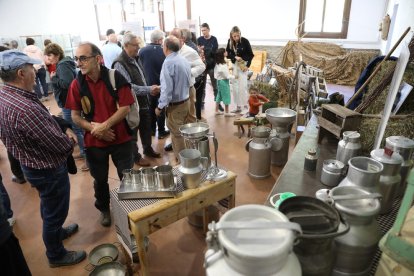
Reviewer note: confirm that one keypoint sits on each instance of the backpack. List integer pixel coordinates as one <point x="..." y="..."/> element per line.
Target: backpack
<point x="132" y="118"/>
<point x="88" y="106"/>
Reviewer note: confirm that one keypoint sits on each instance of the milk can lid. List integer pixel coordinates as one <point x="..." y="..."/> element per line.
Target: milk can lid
<point x="387" y="156"/>
<point x="332" y="165"/>
<point x="359" y="207"/>
<point x="351" y="136"/>
<point x="260" y="243"/>
<point x="398" y="142"/>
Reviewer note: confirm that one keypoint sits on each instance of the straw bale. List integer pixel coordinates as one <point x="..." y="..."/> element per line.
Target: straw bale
<point x="339" y="65"/>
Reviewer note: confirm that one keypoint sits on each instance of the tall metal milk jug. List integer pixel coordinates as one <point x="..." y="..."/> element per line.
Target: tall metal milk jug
<point x="252" y="240"/>
<point x="356" y="249"/>
<point x="390" y="177"/>
<point x="348" y="147"/>
<point x="363" y="172"/>
<point x="259" y="152"/>
<point x="405" y="147"/>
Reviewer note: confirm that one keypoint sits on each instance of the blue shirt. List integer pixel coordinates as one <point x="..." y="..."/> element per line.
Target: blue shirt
<point x="175" y="80"/>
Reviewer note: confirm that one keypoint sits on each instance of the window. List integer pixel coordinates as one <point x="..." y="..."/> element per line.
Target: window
<point x="324" y="18"/>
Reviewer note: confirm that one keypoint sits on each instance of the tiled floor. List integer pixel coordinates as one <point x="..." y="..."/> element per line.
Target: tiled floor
<point x="174" y="250"/>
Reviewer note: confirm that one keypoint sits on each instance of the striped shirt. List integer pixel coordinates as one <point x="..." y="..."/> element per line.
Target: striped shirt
<point x="29" y="132"/>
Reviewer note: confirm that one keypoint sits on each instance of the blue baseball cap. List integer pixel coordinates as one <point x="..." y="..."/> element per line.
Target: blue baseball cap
<point x="13" y="59"/>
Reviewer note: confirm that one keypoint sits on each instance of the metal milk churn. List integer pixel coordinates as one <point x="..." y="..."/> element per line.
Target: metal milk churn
<point x="259" y="150"/>
<point x="390" y="177"/>
<point x="363" y="172"/>
<point x="349" y="146"/>
<point x="405" y="147"/>
<point x="252" y="240"/>
<point x="356" y="249"/>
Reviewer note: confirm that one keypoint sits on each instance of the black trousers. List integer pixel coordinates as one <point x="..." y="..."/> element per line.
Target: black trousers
<point x="12" y="261"/>
<point x="15" y="166"/>
<point x="160" y="120"/>
<point x="200" y="86"/>
<point x="144" y="130"/>
<point x="98" y="160"/>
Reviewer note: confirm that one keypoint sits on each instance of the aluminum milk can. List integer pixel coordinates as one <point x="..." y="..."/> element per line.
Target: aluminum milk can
<point x="356" y="249"/>
<point x="390" y="177"/>
<point x="332" y="172"/>
<point x="363" y="172"/>
<point x="240" y="244"/>
<point x="348" y="147"/>
<point x="405" y="147"/>
<point x="259" y="150"/>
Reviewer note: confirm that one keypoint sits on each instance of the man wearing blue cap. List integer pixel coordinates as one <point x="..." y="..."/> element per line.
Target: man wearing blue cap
<point x="35" y="138"/>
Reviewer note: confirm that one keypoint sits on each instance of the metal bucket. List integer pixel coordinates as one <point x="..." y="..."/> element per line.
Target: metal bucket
<point x="319" y="222"/>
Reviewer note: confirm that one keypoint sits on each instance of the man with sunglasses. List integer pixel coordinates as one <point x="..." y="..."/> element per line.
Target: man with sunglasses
<point x="35" y="138"/>
<point x="106" y="131"/>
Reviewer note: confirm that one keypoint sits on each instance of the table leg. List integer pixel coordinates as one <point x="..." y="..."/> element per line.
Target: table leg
<point x="205" y="219"/>
<point x="232" y="201"/>
<point x="143" y="261"/>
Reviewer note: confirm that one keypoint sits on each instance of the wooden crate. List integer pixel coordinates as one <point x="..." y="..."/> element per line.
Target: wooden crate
<point x="335" y="119"/>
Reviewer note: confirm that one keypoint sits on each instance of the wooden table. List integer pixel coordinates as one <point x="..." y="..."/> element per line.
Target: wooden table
<point x="151" y="218"/>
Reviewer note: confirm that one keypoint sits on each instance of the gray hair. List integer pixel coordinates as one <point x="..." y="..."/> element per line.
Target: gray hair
<point x="186" y="34"/>
<point x="128" y="37"/>
<point x="157" y="35"/>
<point x="14" y="44"/>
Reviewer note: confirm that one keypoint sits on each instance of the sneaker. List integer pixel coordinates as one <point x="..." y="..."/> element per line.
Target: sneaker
<point x="168" y="147"/>
<point x="220" y="108"/>
<point x="219" y="112"/>
<point x="152" y="153"/>
<point x="238" y="110"/>
<point x="163" y="134"/>
<point x="143" y="162"/>
<point x="70" y="230"/>
<point x="11" y="221"/>
<point x="106" y="219"/>
<point x="70" y="258"/>
<point x="229" y="114"/>
<point x="18" y="180"/>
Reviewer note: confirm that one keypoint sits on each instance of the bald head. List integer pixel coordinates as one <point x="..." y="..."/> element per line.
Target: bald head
<point x="177" y="33"/>
<point x="172" y="43"/>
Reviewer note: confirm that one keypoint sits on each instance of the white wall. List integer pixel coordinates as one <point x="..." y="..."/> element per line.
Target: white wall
<point x="273" y="22"/>
<point x="46" y="17"/>
<point x="404" y="19"/>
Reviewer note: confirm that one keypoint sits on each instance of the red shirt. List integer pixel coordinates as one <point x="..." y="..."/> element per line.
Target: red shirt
<point x="254" y="103"/>
<point x="105" y="107"/>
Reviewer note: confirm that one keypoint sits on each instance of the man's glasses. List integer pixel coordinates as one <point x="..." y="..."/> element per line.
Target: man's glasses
<point x="83" y="58"/>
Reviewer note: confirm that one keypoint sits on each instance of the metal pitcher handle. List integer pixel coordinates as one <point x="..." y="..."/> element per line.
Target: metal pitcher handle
<point x="329" y="235"/>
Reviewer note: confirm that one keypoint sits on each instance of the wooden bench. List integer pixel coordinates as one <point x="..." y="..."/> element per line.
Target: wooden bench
<point x="243" y="121"/>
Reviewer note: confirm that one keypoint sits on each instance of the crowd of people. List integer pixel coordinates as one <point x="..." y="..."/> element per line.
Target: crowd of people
<point x="95" y="90"/>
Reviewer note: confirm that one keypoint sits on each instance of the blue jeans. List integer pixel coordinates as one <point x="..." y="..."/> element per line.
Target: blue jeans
<point x="98" y="161"/>
<point x="67" y="115"/>
<point x="54" y="191"/>
<point x="6" y="199"/>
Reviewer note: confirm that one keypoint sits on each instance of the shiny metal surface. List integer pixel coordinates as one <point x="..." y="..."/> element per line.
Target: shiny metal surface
<point x="109" y="269"/>
<point x="103" y="253"/>
<point x="194" y="130"/>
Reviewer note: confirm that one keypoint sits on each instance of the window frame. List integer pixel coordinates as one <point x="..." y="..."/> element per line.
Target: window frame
<point x="343" y="34"/>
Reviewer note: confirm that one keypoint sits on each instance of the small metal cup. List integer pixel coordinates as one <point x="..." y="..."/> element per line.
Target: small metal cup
<point x="149" y="179"/>
<point x="165" y="176"/>
<point x="135" y="177"/>
<point x="126" y="176"/>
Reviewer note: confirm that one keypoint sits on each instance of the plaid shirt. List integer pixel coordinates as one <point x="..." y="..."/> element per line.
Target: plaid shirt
<point x="29" y="132"/>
